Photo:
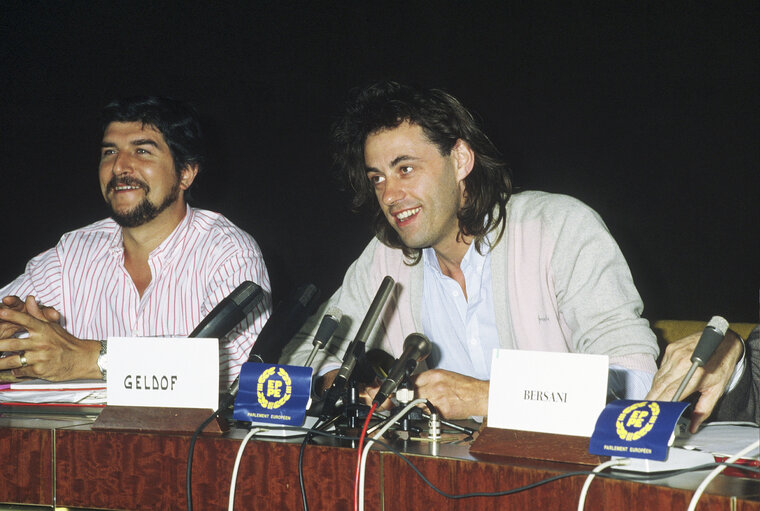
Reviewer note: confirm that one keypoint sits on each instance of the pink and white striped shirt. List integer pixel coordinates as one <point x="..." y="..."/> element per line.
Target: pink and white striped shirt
<point x="83" y="277"/>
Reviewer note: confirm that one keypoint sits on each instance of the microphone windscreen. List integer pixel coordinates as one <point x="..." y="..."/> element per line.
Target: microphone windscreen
<point x="711" y="336"/>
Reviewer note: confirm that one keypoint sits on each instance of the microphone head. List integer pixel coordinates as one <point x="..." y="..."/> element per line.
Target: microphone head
<point x="711" y="337"/>
<point x="420" y="344"/>
<point x="718" y="324"/>
<point x="335" y="313"/>
<point x="245" y="296"/>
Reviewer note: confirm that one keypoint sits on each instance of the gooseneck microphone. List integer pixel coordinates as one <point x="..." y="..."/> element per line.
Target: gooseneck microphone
<point x="417" y="347"/>
<point x="326" y="329"/>
<point x="230" y="311"/>
<point x="356" y="348"/>
<point x="711" y="336"/>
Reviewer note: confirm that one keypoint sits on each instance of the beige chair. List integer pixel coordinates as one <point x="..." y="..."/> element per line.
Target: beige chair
<point x="669" y="330"/>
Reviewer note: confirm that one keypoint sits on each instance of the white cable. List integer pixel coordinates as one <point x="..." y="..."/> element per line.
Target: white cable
<point x="717" y="470"/>
<point x="248" y="436"/>
<point x="377" y="436"/>
<point x="599" y="468"/>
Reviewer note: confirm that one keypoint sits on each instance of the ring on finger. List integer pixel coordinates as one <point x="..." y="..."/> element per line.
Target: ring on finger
<point x="22" y="359"/>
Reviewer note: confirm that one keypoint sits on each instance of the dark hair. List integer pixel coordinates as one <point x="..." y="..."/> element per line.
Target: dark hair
<point x="444" y="120"/>
<point x="177" y="121"/>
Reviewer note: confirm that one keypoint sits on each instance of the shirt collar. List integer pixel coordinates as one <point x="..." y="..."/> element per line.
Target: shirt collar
<point x="166" y="248"/>
<point x="472" y="258"/>
<point x="170" y="244"/>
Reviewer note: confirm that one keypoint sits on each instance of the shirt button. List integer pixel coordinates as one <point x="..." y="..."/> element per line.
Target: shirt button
<point x="473" y="342"/>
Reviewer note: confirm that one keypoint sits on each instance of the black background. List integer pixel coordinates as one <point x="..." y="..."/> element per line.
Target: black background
<point x="646" y="111"/>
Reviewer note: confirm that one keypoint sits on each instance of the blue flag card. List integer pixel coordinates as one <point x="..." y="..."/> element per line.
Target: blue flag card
<point x="636" y="429"/>
<point x="272" y="393"/>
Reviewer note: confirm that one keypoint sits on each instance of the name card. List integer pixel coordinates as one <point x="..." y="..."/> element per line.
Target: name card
<point x="547" y="392"/>
<point x="163" y="372"/>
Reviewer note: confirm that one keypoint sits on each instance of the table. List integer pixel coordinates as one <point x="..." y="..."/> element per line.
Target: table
<point x="66" y="463"/>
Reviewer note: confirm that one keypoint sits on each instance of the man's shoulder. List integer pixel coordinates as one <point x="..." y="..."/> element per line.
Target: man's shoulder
<point x="552" y="209"/>
<point x="537" y="203"/>
<point x="215" y="225"/>
<point x="97" y="232"/>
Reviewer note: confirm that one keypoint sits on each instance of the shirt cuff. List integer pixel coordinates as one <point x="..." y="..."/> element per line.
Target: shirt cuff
<point x="738" y="370"/>
<point x="624" y="383"/>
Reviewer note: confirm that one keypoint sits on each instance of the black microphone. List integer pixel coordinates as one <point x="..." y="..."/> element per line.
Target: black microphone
<point x="326" y="329"/>
<point x="281" y="326"/>
<point x="356" y="348"/>
<point x="373" y="366"/>
<point x="711" y="336"/>
<point x="417" y="347"/>
<point x="230" y="311"/>
<point x="284" y="323"/>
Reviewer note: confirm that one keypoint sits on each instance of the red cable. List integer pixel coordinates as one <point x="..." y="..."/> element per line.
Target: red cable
<point x="359" y="458"/>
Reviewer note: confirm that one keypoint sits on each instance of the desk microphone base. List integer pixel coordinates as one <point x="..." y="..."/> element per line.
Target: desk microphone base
<point x="677" y="459"/>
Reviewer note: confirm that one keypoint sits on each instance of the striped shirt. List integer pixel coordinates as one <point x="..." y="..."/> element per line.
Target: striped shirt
<point x="83" y="277"/>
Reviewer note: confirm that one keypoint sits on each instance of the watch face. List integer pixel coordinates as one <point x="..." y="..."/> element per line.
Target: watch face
<point x="103" y="363"/>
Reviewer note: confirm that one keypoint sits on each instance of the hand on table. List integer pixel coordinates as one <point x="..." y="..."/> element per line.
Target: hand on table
<point x="455" y="395"/>
<point x="49" y="352"/>
<point x="710" y="381"/>
<point x="15" y="303"/>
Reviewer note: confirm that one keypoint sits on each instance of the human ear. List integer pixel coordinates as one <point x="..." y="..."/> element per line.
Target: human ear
<point x="463" y="158"/>
<point x="187" y="176"/>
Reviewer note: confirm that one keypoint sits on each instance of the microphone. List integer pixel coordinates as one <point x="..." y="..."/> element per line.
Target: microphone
<point x="373" y="366"/>
<point x="417" y="347"/>
<point x="711" y="336"/>
<point x="281" y="326"/>
<point x="230" y="311"/>
<point x="326" y="329"/>
<point x="356" y="348"/>
<point x="284" y="323"/>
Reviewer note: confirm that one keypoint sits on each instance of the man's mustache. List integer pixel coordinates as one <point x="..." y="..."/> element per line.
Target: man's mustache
<point x="126" y="181"/>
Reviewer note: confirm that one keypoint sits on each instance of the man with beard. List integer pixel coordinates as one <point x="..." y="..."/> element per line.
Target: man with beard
<point x="155" y="268"/>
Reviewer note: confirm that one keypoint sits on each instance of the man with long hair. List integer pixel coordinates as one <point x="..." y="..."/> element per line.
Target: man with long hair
<point x="155" y="268"/>
<point x="477" y="267"/>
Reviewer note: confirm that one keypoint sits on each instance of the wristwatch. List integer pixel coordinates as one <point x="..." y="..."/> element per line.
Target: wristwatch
<point x="103" y="359"/>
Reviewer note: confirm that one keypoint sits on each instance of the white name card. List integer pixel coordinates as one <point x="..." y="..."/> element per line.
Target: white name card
<point x="561" y="393"/>
<point x="164" y="372"/>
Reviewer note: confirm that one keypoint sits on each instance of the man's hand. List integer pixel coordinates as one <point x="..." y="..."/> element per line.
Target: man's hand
<point x="325" y="381"/>
<point x="710" y="381"/>
<point x="15" y="303"/>
<point x="454" y="395"/>
<point x="50" y="352"/>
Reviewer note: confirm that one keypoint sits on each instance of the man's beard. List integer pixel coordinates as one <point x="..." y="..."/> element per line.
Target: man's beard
<point x="145" y="211"/>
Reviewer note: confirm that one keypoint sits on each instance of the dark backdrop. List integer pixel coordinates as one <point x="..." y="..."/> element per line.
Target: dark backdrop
<point x="647" y="111"/>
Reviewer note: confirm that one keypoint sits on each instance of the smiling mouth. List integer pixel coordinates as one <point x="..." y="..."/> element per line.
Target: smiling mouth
<point x="407" y="214"/>
<point x="125" y="184"/>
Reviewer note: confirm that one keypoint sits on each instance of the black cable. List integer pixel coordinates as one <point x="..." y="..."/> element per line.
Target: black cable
<point x="309" y="435"/>
<point x="558" y="477"/>
<point x="620" y="477"/>
<point x="226" y="402"/>
<point x="300" y="471"/>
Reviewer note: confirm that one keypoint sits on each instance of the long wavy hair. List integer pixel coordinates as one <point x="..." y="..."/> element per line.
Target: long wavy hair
<point x="444" y="120"/>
